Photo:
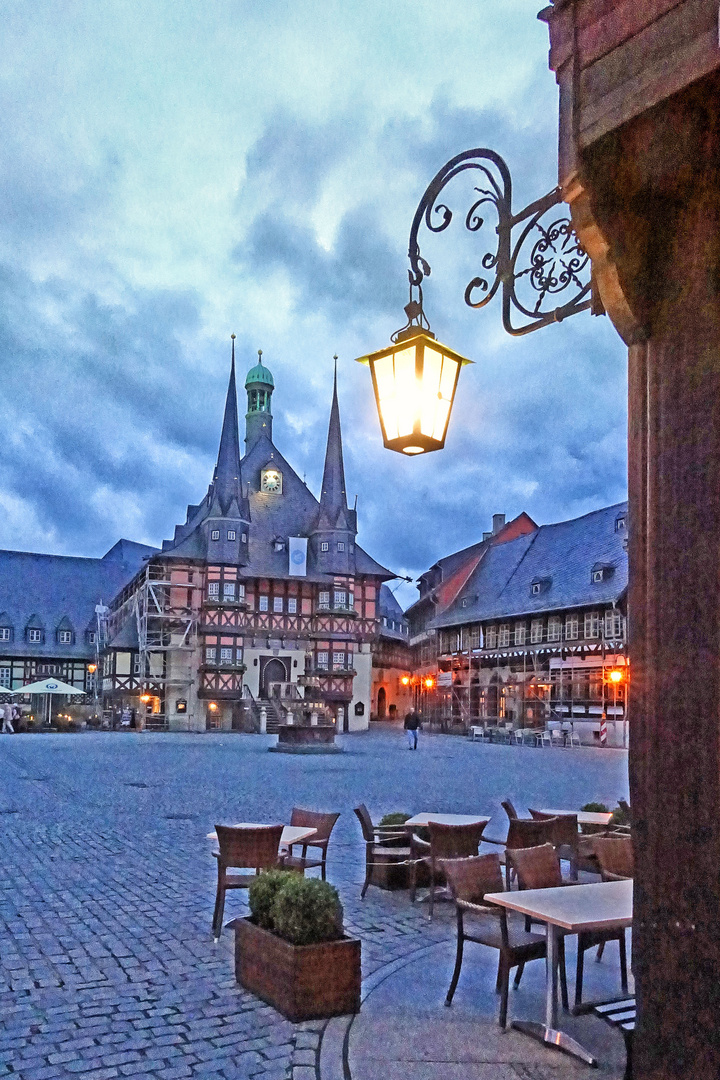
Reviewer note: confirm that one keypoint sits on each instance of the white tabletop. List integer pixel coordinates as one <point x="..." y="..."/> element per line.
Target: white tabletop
<point x="448" y="819"/>
<point x="574" y="907"/>
<point x="291" y="834"/>
<point x="585" y="817"/>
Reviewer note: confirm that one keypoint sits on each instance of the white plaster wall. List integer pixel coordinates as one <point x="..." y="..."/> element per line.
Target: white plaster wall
<point x="362" y="689"/>
<point x="183" y="667"/>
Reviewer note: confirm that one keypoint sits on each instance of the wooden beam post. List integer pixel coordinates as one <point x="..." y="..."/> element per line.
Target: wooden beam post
<point x="640" y="168"/>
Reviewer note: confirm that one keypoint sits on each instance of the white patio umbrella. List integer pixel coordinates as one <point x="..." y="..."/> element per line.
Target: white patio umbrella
<point x="49" y="687"/>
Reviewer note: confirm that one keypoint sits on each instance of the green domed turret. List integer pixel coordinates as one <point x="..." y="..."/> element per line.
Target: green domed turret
<point x="259" y="385"/>
<point x="259" y="375"/>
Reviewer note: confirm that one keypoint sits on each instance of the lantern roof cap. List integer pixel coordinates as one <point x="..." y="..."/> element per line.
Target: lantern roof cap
<point x="412" y="334"/>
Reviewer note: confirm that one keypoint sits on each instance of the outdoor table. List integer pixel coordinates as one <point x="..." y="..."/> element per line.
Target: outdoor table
<point x="584" y="817"/>
<point x="423" y="819"/>
<point x="570" y="909"/>
<point x="291" y="834"/>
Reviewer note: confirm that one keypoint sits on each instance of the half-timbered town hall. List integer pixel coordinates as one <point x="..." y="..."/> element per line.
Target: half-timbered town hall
<point x="262" y="597"/>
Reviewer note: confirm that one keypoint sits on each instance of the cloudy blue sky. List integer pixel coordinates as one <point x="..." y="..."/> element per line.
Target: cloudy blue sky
<point x="174" y="172"/>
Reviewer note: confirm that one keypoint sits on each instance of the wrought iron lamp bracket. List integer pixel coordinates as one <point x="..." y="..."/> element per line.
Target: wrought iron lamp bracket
<point x="532" y="270"/>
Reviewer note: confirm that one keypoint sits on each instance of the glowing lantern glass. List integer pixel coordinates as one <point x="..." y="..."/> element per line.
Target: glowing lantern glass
<point x="414" y="382"/>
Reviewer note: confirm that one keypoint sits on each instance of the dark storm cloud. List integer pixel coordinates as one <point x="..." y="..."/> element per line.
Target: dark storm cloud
<point x="101" y="408"/>
<point x="356" y="280"/>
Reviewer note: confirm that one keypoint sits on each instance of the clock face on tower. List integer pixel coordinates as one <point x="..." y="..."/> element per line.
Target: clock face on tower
<point x="271" y="481"/>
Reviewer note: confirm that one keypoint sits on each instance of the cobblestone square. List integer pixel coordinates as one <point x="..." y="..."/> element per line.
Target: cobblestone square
<point x="107" y="963"/>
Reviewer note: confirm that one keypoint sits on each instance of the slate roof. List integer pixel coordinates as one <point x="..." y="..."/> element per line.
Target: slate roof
<point x="295" y="512"/>
<point x="561" y="557"/>
<point x="61" y="589"/>
<point x="450" y="574"/>
<point x="390" y="609"/>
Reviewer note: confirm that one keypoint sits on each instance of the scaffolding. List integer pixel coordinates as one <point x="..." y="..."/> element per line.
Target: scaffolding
<point x="166" y="630"/>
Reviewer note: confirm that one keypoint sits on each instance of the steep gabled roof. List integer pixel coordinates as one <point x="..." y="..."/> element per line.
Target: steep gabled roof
<point x="455" y="570"/>
<point x="52" y="588"/>
<point x="560" y="557"/>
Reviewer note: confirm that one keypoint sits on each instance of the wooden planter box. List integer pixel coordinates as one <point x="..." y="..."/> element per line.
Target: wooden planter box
<point x="391" y="876"/>
<point x="303" y="982"/>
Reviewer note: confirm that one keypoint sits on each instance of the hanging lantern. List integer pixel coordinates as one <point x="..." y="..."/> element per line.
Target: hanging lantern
<point x="414" y="382"/>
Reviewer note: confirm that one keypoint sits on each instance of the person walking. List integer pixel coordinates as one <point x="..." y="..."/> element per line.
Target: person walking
<point x="411" y="725"/>
<point x="7" y="727"/>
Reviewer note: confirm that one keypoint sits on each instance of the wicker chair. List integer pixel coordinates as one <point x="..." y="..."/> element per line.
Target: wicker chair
<point x="323" y="825"/>
<point x="246" y="848"/>
<point x="446" y="842"/>
<point x="373" y="835"/>
<point x="566" y="839"/>
<point x="469" y="880"/>
<point x="523" y="833"/>
<point x="615" y="856"/>
<point x="509" y="809"/>
<point x="539" y="868"/>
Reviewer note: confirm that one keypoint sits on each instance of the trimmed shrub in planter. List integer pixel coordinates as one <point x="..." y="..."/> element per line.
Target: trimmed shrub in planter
<point x="292" y="951"/>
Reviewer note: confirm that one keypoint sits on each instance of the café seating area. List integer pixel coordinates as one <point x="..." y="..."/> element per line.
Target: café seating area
<point x="522" y="894"/>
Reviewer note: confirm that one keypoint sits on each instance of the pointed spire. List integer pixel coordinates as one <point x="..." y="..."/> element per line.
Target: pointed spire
<point x="226" y="479"/>
<point x="333" y="499"/>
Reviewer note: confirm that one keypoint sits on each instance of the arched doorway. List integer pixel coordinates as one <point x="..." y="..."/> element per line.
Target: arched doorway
<point x="273" y="671"/>
<point x="381" y="703"/>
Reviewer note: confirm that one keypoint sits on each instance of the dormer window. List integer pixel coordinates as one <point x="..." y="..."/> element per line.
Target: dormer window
<point x="243" y="538"/>
<point x="65" y="637"/>
<point x="5" y="633"/>
<point x="341" y="545"/>
<point x="601" y="572"/>
<point x="540" y="585"/>
<point x="597" y="575"/>
<point x="620" y="522"/>
<point x="90" y="637"/>
<point x="215" y="534"/>
<point x="34" y="630"/>
<point x="324" y="546"/>
<point x="231" y="534"/>
<point x="278" y="544"/>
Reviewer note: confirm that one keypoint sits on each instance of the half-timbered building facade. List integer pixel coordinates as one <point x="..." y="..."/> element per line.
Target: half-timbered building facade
<point x="525" y="627"/>
<point x="263" y="596"/>
<point x="52" y="610"/>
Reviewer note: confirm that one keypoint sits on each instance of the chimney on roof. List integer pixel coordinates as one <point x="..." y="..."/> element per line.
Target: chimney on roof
<point x="486" y="536"/>
<point x="498" y="523"/>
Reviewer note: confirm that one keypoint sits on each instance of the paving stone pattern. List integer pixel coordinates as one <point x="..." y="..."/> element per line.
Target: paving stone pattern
<point x="107" y="964"/>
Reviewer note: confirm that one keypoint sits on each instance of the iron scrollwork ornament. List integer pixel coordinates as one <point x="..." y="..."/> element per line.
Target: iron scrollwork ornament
<point x="533" y="271"/>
